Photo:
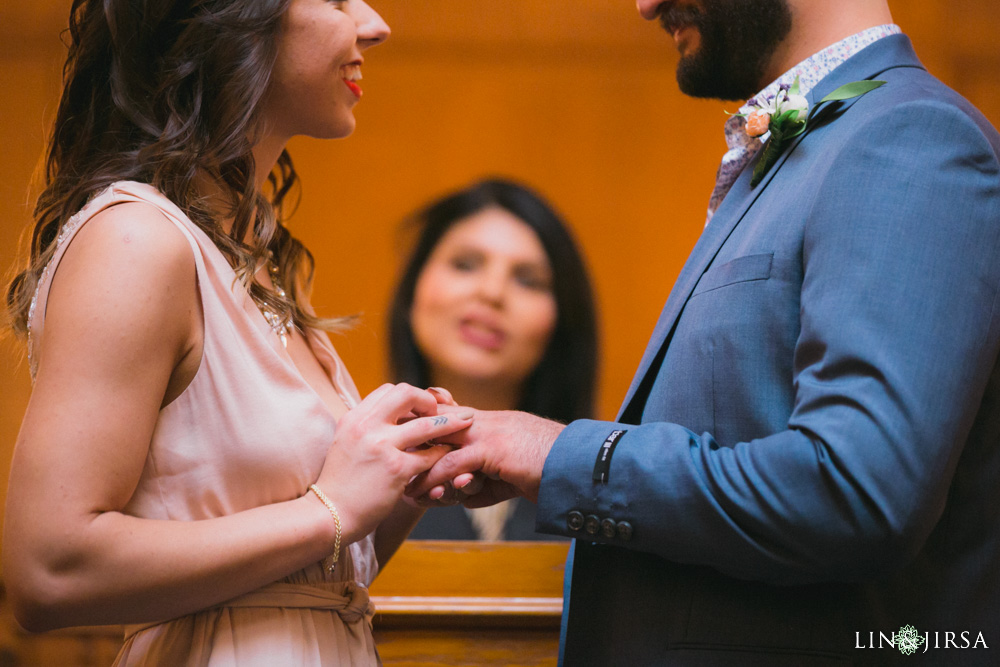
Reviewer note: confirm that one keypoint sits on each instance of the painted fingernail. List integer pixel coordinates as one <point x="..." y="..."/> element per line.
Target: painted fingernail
<point x="466" y="414"/>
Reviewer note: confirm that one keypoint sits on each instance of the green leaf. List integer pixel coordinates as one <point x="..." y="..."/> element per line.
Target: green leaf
<point x="794" y="89"/>
<point x="785" y="124"/>
<point x="772" y="151"/>
<point x="851" y="90"/>
<point x="796" y="132"/>
<point x="784" y="116"/>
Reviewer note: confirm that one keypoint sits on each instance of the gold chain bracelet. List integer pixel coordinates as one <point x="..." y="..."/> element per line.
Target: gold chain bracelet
<point x="336" y="520"/>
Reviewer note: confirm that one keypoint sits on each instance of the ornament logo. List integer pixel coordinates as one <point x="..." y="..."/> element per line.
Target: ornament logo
<point x="908" y="640"/>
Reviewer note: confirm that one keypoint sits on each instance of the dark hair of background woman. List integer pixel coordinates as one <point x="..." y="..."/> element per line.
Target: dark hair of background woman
<point x="164" y="95"/>
<point x="562" y="386"/>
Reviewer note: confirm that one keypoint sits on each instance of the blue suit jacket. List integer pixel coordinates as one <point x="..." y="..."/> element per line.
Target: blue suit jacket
<point x="812" y="451"/>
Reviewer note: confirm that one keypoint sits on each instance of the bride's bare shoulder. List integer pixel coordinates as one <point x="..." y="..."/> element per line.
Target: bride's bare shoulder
<point x="129" y="273"/>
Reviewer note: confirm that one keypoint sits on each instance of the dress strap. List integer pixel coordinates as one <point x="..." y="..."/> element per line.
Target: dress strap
<point x="117" y="193"/>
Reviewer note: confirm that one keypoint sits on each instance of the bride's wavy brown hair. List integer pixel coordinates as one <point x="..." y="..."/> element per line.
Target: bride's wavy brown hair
<point x="165" y="92"/>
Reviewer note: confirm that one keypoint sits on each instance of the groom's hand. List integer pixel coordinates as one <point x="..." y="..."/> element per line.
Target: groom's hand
<point x="507" y="448"/>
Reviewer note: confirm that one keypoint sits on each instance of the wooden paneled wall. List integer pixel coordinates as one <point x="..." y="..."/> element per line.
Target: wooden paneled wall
<point x="576" y="97"/>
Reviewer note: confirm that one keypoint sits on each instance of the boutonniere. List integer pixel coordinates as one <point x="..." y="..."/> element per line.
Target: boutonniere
<point x="786" y="116"/>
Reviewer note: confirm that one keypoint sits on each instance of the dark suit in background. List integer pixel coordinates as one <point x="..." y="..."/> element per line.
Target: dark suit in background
<point x="453" y="523"/>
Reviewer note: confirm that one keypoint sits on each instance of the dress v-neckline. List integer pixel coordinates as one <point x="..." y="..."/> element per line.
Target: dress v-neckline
<point x="309" y="336"/>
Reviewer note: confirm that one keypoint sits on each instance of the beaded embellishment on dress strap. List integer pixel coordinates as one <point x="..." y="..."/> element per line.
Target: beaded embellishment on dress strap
<point x="67" y="231"/>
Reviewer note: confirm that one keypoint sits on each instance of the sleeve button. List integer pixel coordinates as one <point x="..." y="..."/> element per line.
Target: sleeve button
<point x="574" y="520"/>
<point x="624" y="531"/>
<point x="592" y="524"/>
<point x="609" y="528"/>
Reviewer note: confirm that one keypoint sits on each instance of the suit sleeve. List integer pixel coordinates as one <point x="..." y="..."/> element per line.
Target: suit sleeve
<point x="899" y="338"/>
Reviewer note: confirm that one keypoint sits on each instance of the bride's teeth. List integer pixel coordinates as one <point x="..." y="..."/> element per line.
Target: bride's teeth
<point x="351" y="72"/>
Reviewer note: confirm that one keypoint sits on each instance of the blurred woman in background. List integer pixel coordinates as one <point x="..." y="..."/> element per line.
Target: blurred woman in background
<point x="495" y="306"/>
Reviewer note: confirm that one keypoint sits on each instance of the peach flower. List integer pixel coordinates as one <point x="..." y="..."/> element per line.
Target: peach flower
<point x="758" y="122"/>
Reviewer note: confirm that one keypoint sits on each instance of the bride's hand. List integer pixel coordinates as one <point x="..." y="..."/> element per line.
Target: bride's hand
<point x="380" y="445"/>
<point x="463" y="486"/>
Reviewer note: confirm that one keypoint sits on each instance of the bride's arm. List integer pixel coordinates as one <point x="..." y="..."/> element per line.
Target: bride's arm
<point x="122" y="314"/>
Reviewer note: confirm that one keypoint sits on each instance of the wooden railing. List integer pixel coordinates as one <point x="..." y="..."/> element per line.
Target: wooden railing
<point x="470" y="603"/>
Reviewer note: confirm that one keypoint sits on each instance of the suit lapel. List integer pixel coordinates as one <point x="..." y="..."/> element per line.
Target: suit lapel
<point x="887" y="53"/>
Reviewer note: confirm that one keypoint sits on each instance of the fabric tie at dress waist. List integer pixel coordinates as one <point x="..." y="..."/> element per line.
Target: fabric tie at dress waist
<point x="348" y="598"/>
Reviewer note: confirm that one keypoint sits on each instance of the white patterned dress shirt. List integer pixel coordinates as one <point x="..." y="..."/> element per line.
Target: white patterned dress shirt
<point x="810" y="71"/>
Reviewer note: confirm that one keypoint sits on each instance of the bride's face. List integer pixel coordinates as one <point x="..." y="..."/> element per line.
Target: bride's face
<point x="483" y="306"/>
<point x="316" y="81"/>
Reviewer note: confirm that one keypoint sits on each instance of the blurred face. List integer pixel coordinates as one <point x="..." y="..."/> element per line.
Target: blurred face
<point x="316" y="80"/>
<point x="483" y="307"/>
<point x="726" y="46"/>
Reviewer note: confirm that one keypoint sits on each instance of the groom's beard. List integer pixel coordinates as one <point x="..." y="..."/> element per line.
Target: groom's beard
<point x="737" y="40"/>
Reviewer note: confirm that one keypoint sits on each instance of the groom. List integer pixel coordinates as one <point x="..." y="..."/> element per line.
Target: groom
<point x="808" y="458"/>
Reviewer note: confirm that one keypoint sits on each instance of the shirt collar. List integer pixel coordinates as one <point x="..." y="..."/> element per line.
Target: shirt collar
<point x="815" y="68"/>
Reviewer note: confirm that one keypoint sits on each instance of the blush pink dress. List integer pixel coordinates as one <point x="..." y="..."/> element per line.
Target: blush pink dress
<point x="248" y="431"/>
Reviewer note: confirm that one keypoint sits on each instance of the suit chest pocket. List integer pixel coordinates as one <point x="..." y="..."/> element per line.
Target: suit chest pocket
<point x="739" y="270"/>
